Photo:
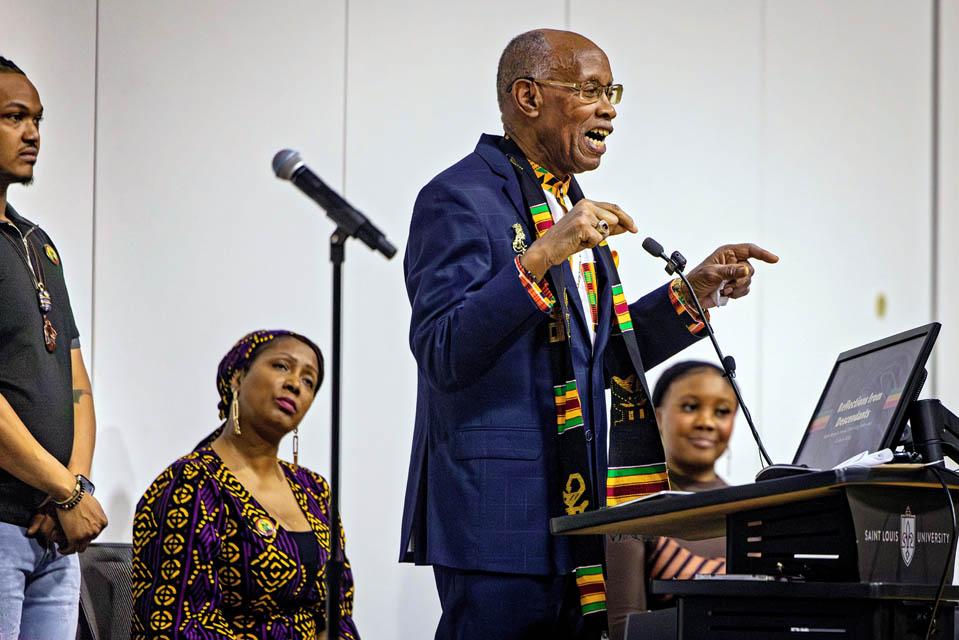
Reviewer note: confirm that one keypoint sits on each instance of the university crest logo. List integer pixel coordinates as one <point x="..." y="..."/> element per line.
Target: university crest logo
<point x="907" y="536"/>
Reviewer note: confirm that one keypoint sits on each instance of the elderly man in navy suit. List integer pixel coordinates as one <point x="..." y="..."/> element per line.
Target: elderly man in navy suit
<point x="519" y="324"/>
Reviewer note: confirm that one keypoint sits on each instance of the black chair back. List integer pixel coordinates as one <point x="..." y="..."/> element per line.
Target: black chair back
<point x="106" y="602"/>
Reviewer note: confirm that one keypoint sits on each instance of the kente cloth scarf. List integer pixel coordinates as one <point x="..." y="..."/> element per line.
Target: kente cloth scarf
<point x="636" y="458"/>
<point x="584" y="270"/>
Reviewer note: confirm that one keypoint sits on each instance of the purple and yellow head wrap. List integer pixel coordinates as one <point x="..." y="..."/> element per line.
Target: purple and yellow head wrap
<point x="242" y="355"/>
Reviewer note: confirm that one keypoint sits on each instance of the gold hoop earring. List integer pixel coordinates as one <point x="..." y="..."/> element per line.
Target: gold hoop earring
<point x="235" y="414"/>
<point x="296" y="446"/>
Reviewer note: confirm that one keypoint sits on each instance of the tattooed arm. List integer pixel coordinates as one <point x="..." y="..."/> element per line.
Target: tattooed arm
<point x="84" y="418"/>
<point x="80" y="526"/>
<point x="24" y="458"/>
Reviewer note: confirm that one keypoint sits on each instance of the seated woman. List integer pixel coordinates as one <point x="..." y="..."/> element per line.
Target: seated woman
<point x="695" y="407"/>
<point x="229" y="541"/>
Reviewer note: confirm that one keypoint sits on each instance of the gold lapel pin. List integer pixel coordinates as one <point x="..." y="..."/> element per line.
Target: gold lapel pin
<point x="519" y="240"/>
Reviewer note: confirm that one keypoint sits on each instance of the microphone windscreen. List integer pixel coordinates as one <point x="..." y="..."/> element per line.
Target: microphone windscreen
<point x="653" y="247"/>
<point x="729" y="363"/>
<point x="285" y="163"/>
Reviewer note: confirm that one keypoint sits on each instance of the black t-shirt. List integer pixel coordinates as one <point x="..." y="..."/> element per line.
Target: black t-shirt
<point x="36" y="383"/>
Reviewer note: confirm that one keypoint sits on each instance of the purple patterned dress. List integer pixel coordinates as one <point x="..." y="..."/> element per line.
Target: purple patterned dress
<point x="210" y="563"/>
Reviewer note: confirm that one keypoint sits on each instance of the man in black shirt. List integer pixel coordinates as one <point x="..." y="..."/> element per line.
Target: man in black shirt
<point x="47" y="424"/>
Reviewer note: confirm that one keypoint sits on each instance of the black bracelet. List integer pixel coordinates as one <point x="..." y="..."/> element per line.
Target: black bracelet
<point x="73" y="500"/>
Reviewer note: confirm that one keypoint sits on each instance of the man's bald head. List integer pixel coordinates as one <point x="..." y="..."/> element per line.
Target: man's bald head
<point x="536" y="54"/>
<point x="540" y="83"/>
<point x="526" y="56"/>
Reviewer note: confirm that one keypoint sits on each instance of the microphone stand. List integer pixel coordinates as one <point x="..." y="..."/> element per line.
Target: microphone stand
<point x="335" y="563"/>
<point x="676" y="264"/>
<point x="334" y="574"/>
<point x="287" y="165"/>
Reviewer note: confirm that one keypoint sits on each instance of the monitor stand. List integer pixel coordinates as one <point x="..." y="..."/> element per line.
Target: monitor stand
<point x="776" y="471"/>
<point x="935" y="431"/>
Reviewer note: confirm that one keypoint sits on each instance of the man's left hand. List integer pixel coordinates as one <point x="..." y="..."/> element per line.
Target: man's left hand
<point x="729" y="263"/>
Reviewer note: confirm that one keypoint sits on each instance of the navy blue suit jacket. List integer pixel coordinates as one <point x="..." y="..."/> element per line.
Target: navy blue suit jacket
<point x="477" y="496"/>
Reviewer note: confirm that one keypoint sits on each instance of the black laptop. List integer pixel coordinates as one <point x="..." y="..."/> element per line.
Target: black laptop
<point x="864" y="404"/>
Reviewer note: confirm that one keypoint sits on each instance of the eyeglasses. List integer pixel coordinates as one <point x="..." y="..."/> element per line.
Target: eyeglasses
<point x="588" y="91"/>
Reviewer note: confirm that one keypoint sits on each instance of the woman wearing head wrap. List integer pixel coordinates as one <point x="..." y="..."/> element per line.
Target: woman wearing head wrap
<point x="229" y="541"/>
<point x="695" y="407"/>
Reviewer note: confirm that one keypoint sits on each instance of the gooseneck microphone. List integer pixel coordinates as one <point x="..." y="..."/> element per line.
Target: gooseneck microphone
<point x="288" y="165"/>
<point x="675" y="264"/>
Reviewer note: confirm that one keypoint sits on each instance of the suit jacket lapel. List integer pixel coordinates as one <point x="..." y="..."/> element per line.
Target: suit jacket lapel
<point x="604" y="291"/>
<point x="488" y="149"/>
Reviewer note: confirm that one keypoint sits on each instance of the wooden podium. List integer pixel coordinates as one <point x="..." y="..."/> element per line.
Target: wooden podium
<point x="851" y="553"/>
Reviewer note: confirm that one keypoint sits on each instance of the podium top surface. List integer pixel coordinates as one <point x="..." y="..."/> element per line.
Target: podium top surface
<point x="703" y="515"/>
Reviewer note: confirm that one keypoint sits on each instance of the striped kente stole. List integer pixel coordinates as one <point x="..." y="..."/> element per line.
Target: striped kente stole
<point x="635" y="445"/>
<point x="584" y="269"/>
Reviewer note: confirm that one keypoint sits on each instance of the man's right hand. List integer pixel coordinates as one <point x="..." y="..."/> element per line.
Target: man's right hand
<point x="577" y="230"/>
<point x="81" y="524"/>
<point x="43" y="527"/>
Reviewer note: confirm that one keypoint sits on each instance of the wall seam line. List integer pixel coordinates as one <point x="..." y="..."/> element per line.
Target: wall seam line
<point x="934" y="186"/>
<point x="761" y="178"/>
<point x="346" y="87"/>
<point x="93" y="219"/>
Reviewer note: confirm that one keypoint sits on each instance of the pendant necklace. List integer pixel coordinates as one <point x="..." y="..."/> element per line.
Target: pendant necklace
<point x="44" y="300"/>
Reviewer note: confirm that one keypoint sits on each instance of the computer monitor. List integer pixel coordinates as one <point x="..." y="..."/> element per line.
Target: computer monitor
<point x="863" y="406"/>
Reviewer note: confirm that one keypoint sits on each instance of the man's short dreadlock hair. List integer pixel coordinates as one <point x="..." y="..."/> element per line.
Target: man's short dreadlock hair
<point x="8" y="66"/>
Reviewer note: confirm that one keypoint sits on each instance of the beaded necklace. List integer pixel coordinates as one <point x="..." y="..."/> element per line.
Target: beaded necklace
<point x="35" y="267"/>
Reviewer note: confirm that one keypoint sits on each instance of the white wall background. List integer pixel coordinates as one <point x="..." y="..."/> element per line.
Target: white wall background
<point x="947" y="268"/>
<point x="64" y="70"/>
<point x="804" y="126"/>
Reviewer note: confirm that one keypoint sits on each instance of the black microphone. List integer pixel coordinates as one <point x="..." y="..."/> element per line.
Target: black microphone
<point x="675" y="264"/>
<point x="288" y="165"/>
<point x="729" y="364"/>
<point x="654" y="249"/>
